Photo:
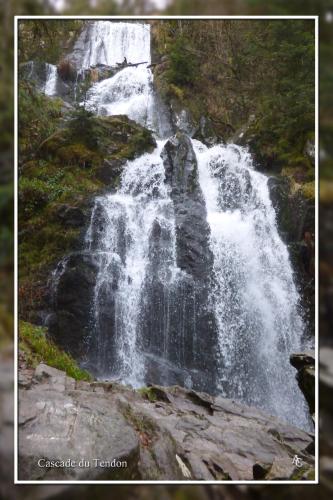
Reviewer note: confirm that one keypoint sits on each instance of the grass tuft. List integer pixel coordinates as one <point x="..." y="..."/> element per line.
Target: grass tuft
<point x="38" y="348"/>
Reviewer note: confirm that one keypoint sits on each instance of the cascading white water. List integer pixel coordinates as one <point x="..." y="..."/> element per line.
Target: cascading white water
<point x="255" y="298"/>
<point x="119" y="238"/>
<point x="122" y="247"/>
<point x="50" y="87"/>
<point x="130" y="91"/>
<point x="127" y="93"/>
<point x="110" y="42"/>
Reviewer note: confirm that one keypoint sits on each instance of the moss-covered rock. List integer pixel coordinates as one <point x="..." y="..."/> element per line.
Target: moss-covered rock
<point x="305" y="365"/>
<point x="35" y="347"/>
<point x="294" y="210"/>
<point x="82" y="156"/>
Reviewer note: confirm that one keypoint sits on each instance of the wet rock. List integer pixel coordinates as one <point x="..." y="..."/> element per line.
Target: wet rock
<point x="110" y="171"/>
<point x="36" y="72"/>
<point x="305" y="365"/>
<point x="71" y="216"/>
<point x="295" y="214"/>
<point x="302" y="359"/>
<point x="72" y="298"/>
<point x="181" y="172"/>
<point x="78" y="53"/>
<point x="205" y="132"/>
<point x="192" y="355"/>
<point x="177" y="434"/>
<point x="182" y="119"/>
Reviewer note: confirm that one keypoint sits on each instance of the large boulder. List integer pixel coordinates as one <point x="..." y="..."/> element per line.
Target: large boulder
<point x="76" y="427"/>
<point x="304" y="362"/>
<point x="156" y="433"/>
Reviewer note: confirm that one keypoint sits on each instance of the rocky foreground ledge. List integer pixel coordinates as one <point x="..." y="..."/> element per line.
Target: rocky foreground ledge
<point x="72" y="430"/>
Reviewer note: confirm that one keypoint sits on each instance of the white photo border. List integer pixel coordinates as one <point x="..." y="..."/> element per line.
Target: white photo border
<point x="17" y="19"/>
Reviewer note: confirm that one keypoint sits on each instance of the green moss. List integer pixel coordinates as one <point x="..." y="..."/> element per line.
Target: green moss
<point x="176" y="92"/>
<point x="141" y="423"/>
<point x="112" y="136"/>
<point x="309" y="190"/>
<point x="33" y="341"/>
<point x="39" y="118"/>
<point x="78" y="154"/>
<point x="301" y="472"/>
<point x="148" y="393"/>
<point x="43" y="247"/>
<point x="63" y="169"/>
<point x="311" y="475"/>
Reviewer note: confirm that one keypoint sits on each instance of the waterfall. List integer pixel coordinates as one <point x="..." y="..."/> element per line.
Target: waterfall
<point x="119" y="238"/>
<point x="50" y="87"/>
<point x="149" y="318"/>
<point x="255" y="298"/>
<point x="110" y="42"/>
<point x="130" y="91"/>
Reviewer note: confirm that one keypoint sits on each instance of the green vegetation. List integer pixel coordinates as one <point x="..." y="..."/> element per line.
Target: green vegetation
<point x="39" y="117"/>
<point x="81" y="126"/>
<point x="141" y="423"/>
<point x="182" y="70"/>
<point x="302" y="473"/>
<point x="308" y="190"/>
<point x="148" y="393"/>
<point x="41" y="40"/>
<point x="37" y="347"/>
<point x="61" y="154"/>
<point x="259" y="73"/>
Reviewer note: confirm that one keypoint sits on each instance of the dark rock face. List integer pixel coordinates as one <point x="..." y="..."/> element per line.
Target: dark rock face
<point x="69" y="324"/>
<point x="205" y="132"/>
<point x="36" y="72"/>
<point x="76" y="56"/>
<point x="296" y="217"/>
<point x="109" y="170"/>
<point x="294" y="212"/>
<point x="33" y="71"/>
<point x="161" y="434"/>
<point x="192" y="231"/>
<point x="305" y="365"/>
<point x="71" y="216"/>
<point x="188" y="354"/>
